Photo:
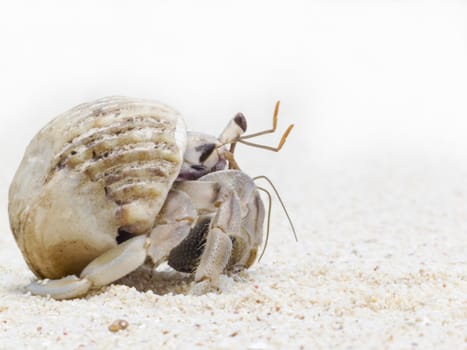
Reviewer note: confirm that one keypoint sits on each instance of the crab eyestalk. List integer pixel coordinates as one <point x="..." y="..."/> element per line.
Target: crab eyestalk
<point x="233" y="130"/>
<point x="231" y="134"/>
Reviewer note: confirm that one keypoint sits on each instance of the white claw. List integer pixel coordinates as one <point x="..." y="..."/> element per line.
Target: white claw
<point x="63" y="288"/>
<point x="117" y="262"/>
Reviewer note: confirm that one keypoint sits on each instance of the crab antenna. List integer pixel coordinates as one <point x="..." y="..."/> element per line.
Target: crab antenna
<point x="281" y="202"/>
<point x="270" y="148"/>
<point x="268" y="223"/>
<point x="242" y="139"/>
<point x="274" y="124"/>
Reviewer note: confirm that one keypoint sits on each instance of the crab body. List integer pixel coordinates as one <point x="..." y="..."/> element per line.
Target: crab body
<point x="112" y="182"/>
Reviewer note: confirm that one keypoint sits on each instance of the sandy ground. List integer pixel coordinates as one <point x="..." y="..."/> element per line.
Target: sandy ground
<point x="381" y="263"/>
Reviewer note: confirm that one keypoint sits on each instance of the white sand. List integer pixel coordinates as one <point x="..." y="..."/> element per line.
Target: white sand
<point x="381" y="263"/>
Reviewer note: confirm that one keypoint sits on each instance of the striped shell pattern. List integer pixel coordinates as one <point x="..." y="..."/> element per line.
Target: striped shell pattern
<point x="99" y="169"/>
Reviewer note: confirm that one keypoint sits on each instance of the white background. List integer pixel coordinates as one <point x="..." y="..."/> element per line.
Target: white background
<point x="356" y="77"/>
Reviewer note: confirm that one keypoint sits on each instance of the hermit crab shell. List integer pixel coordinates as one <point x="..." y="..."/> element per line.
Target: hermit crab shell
<point x="101" y="168"/>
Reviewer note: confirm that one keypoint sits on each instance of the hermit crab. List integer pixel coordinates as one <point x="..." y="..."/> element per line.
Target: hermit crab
<point x="119" y="182"/>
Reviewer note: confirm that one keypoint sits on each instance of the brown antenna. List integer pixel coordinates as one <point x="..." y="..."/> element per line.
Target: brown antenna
<point x="241" y="139"/>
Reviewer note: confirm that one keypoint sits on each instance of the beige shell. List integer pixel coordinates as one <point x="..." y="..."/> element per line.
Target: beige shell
<point x="100" y="167"/>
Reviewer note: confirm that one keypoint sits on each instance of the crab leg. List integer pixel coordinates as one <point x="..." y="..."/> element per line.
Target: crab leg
<point x="63" y="288"/>
<point x="117" y="262"/>
<point x="218" y="248"/>
<point x="236" y="229"/>
<point x="220" y="199"/>
<point x="106" y="268"/>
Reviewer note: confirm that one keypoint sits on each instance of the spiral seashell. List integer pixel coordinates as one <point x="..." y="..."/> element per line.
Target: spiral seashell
<point x="101" y="168"/>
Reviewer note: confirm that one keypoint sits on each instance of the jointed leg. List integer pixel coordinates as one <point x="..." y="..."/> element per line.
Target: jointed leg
<point x="218" y="248"/>
<point x="106" y="268"/>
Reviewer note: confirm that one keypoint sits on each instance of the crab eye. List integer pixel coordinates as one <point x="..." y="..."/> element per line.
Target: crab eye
<point x="240" y="120"/>
<point x="205" y="151"/>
